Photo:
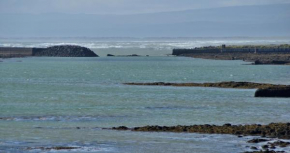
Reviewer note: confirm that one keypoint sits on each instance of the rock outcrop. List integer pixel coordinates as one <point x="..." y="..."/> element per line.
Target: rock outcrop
<point x="273" y="130"/>
<point x="64" y="51"/>
<point x="273" y="92"/>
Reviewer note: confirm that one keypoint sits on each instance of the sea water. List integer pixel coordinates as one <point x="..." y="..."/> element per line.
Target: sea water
<point x="55" y="101"/>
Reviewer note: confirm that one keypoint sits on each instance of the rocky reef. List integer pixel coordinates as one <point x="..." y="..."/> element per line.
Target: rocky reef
<point x="273" y="130"/>
<point x="273" y="92"/>
<point x="64" y="51"/>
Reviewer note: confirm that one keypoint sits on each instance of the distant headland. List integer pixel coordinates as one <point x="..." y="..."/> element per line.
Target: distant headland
<point x="54" y="51"/>
<point x="258" y="54"/>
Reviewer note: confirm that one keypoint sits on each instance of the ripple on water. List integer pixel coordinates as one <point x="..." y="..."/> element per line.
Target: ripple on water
<point x="59" y="118"/>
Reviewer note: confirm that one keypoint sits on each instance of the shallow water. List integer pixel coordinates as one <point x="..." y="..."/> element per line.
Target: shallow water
<point x="44" y="100"/>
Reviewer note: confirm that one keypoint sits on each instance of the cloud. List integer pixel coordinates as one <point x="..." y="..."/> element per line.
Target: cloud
<point x="119" y="6"/>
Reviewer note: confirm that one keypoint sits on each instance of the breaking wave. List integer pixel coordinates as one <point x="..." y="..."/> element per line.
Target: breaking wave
<point x="157" y="44"/>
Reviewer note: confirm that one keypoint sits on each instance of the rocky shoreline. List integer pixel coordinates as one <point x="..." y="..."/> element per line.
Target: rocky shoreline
<point x="272" y="130"/>
<point x="258" y="55"/>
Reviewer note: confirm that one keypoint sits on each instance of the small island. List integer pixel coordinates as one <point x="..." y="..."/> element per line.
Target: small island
<point x="54" y="51"/>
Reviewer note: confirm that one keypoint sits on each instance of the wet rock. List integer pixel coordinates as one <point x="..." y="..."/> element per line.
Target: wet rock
<point x="120" y="128"/>
<point x="266" y="151"/>
<point x="254" y="148"/>
<point x="265" y="146"/>
<point x="227" y="124"/>
<point x="277" y="130"/>
<point x="273" y="92"/>
<point x="110" y="55"/>
<point x="257" y="140"/>
<point x="280" y="144"/>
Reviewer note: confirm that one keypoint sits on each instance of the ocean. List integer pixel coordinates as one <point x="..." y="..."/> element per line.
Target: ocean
<point x="57" y="101"/>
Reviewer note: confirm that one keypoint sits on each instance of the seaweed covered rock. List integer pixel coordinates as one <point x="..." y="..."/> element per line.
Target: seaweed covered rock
<point x="273" y="92"/>
<point x="64" y="51"/>
<point x="273" y="130"/>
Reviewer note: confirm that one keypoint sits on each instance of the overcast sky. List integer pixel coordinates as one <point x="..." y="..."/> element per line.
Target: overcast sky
<point x="119" y="6"/>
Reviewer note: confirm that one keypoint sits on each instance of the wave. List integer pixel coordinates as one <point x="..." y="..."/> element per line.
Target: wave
<point x="142" y="44"/>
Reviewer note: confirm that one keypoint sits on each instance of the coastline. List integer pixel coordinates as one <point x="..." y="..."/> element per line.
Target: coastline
<point x="258" y="55"/>
<point x="264" y="133"/>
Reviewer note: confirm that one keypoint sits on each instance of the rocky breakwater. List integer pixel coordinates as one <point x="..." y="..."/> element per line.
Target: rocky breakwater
<point x="64" y="51"/>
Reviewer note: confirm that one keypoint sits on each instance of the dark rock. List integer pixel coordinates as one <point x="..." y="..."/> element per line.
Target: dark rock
<point x="265" y="146"/>
<point x="277" y="130"/>
<point x="254" y="148"/>
<point x="257" y="140"/>
<point x="110" y="55"/>
<point x="239" y="85"/>
<point x="227" y="124"/>
<point x="273" y="92"/>
<point x="64" y="51"/>
<point x="53" y="148"/>
<point x="120" y="128"/>
<point x="266" y="151"/>
<point x="134" y="55"/>
<point x="280" y="144"/>
<point x="257" y="62"/>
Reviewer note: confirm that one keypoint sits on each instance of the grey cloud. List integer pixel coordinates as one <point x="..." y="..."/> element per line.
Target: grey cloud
<point x="119" y="6"/>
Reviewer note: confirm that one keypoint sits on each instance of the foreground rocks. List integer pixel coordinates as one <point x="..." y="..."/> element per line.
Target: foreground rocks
<point x="273" y="92"/>
<point x="239" y="85"/>
<point x="64" y="51"/>
<point x="273" y="130"/>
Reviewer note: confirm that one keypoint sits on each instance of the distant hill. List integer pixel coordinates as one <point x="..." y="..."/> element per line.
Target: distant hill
<point x="262" y="20"/>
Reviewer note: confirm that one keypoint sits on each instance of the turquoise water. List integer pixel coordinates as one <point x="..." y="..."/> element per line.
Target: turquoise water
<point x="44" y="100"/>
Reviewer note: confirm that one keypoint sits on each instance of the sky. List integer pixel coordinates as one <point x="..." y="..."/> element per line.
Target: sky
<point x="144" y="18"/>
<point x="119" y="6"/>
